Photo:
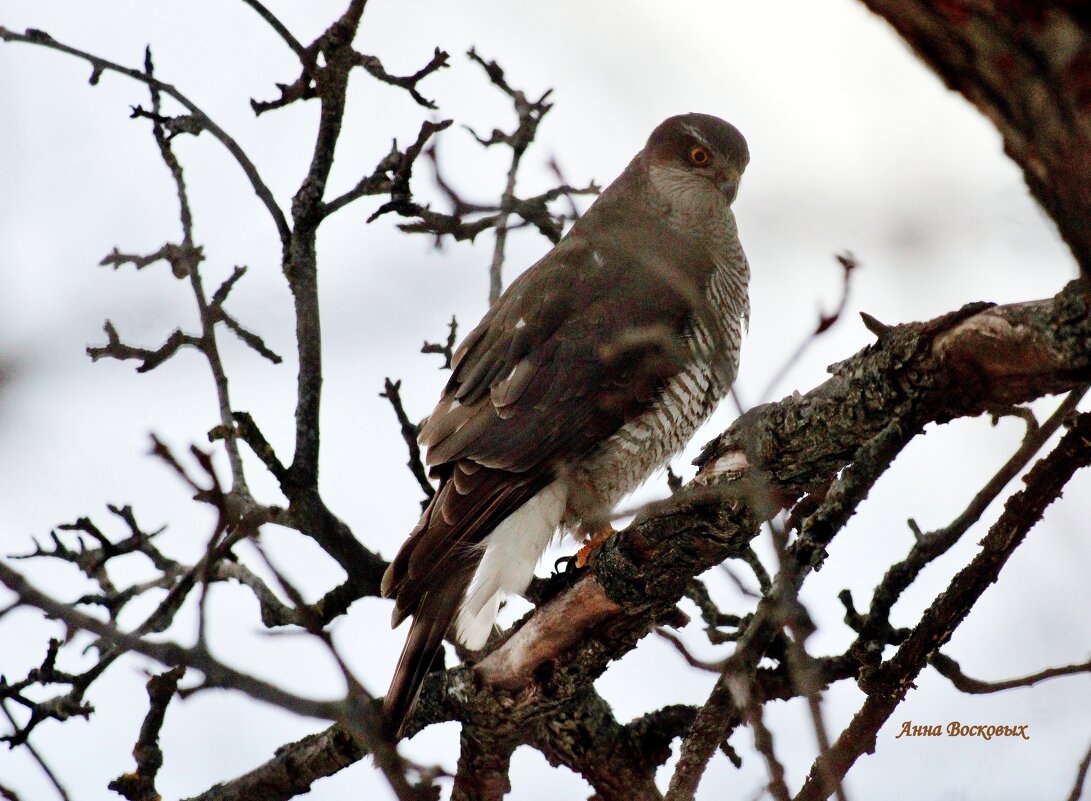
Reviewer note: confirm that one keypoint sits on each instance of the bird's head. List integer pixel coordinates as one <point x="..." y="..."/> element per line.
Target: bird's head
<point x="696" y="161"/>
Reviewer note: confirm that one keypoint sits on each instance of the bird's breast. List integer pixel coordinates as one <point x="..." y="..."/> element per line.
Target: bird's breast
<point x="647" y="442"/>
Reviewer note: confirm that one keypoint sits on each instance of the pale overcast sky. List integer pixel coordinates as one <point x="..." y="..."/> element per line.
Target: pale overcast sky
<point x="855" y="146"/>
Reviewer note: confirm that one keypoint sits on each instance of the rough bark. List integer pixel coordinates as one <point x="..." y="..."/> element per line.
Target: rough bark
<point x="980" y="359"/>
<point x="1027" y="67"/>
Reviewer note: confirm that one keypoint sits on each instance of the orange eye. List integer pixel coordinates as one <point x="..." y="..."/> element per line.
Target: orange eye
<point x="699" y="156"/>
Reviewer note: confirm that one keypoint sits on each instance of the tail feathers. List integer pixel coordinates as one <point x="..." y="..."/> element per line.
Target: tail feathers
<point x="430" y="624"/>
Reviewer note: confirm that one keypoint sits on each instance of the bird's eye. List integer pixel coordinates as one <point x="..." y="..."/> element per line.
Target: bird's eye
<point x="699" y="156"/>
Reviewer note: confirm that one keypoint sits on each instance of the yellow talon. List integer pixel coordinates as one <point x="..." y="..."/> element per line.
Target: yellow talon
<point x="593" y="542"/>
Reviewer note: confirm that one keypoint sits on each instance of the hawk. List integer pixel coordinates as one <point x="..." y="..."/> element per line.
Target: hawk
<point x="590" y="372"/>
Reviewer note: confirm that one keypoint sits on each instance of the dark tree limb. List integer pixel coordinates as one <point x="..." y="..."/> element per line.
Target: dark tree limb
<point x="618" y="761"/>
<point x="876" y="627"/>
<point x="770" y="618"/>
<point x="1006" y="59"/>
<point x="888" y="684"/>
<point x="483" y="767"/>
<point x="140" y="785"/>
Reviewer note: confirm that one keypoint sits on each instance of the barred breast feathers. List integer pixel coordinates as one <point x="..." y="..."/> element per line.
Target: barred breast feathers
<point x="646" y="443"/>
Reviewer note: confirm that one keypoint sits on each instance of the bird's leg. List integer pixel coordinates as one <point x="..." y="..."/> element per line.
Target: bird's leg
<point x="594" y="539"/>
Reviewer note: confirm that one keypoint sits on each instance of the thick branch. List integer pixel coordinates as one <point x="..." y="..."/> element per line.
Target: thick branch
<point x="922" y="372"/>
<point x="888" y="685"/>
<point x="1026" y="67"/>
<point x="293" y="770"/>
<point x="958" y="365"/>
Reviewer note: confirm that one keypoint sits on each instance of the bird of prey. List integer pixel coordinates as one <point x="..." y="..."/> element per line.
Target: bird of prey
<point x="590" y="372"/>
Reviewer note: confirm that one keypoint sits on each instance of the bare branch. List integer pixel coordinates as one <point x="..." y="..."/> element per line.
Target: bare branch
<point x="446" y="350"/>
<point x="894" y="678"/>
<point x="400" y="194"/>
<point x="930" y="546"/>
<point x="825" y="323"/>
<point x="281" y="30"/>
<point x="150" y="359"/>
<point x="209" y="314"/>
<point x="806" y="553"/>
<point x="249" y="432"/>
<point x="50" y="774"/>
<point x="1081" y="777"/>
<point x="530" y="114"/>
<point x="392" y="393"/>
<point x="374" y="68"/>
<point x="170" y="654"/>
<point x="101" y="65"/>
<point x="949" y="669"/>
<point x="140" y="786"/>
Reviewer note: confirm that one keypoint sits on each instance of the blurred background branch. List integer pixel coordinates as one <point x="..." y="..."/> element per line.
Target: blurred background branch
<point x="816" y="456"/>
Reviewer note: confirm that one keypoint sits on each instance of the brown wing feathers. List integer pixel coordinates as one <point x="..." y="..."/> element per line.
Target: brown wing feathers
<point x="569" y="353"/>
<point x="431" y="572"/>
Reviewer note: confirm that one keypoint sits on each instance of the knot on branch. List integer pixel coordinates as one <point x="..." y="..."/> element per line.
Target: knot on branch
<point x="171" y="126"/>
<point x="182" y="258"/>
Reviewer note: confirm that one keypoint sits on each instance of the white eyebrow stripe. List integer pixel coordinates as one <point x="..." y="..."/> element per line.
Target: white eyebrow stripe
<point x="700" y="137"/>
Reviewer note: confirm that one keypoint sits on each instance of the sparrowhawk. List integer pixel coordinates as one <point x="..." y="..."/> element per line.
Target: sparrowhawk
<point x="591" y="371"/>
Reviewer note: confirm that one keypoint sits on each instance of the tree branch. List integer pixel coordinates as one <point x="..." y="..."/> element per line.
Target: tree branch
<point x="888" y="684"/>
<point x="950" y="669"/>
<point x="100" y="65"/>
<point x="140" y="786"/>
<point x="1005" y="59"/>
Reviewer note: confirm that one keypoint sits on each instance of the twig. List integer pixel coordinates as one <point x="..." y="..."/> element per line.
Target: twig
<point x="209" y="315"/>
<point x="282" y="31"/>
<point x="950" y="669"/>
<point x="530" y="114"/>
<point x="763" y="742"/>
<point x="100" y="65"/>
<point x="140" y="786"/>
<point x="887" y="685"/>
<point x="391" y="392"/>
<point x="446" y="350"/>
<point x="1081" y="777"/>
<point x="150" y="359"/>
<point x="409" y="83"/>
<point x="216" y="674"/>
<point x="249" y="432"/>
<point x="825" y="323"/>
<point x="37" y="757"/>
<point x="929" y="546"/>
<point x="680" y="647"/>
<point x="714" y="619"/>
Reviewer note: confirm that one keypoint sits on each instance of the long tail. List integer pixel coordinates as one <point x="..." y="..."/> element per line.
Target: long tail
<point x="436" y="564"/>
<point x="431" y="621"/>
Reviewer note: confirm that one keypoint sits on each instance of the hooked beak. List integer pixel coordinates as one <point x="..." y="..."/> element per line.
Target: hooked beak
<point x="727" y="182"/>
